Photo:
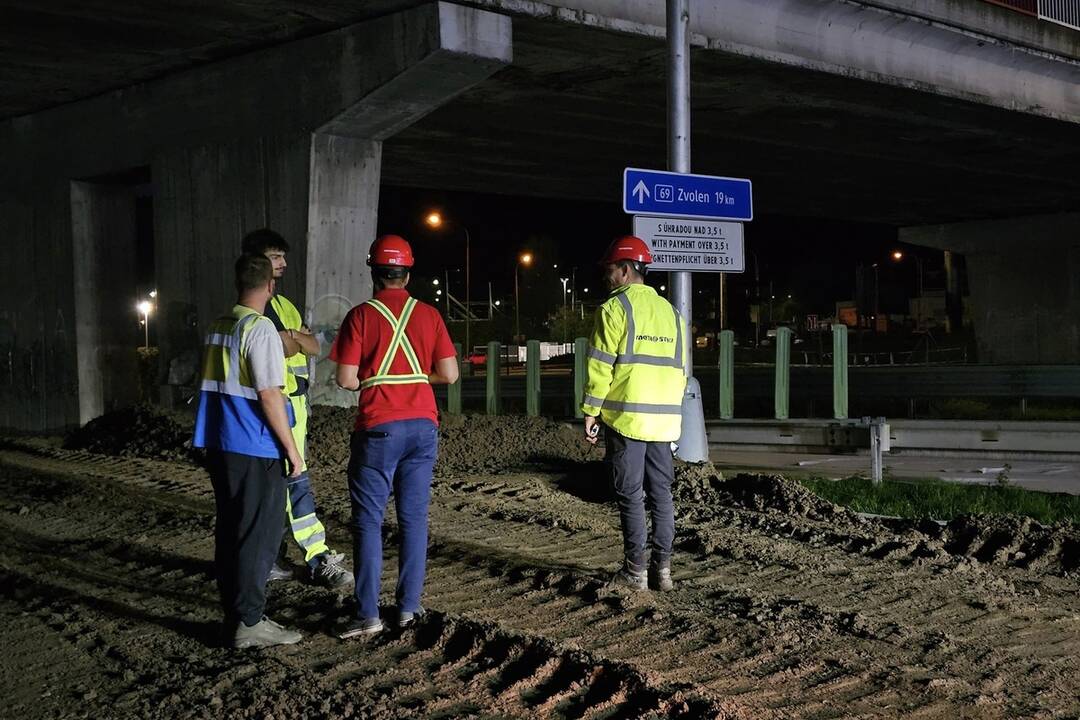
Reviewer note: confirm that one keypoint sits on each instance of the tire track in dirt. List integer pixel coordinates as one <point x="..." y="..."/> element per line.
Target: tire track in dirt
<point x="770" y="610"/>
<point x="98" y="595"/>
<point x="790" y="628"/>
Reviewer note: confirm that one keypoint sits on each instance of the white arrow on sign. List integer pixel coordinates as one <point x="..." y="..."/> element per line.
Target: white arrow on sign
<point x="641" y="191"/>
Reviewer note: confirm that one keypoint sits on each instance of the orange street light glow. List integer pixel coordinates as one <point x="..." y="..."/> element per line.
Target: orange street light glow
<point x="526" y="259"/>
<point x="434" y="219"/>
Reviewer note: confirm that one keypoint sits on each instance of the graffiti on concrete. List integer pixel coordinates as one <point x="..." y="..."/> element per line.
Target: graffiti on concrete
<point x="324" y="318"/>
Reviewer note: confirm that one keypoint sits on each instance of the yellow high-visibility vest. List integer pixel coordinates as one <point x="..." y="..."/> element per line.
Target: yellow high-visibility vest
<point x="635" y="377"/>
<point x="296" y="365"/>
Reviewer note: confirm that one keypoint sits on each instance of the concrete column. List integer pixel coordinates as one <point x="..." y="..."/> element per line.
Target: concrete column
<point x="1024" y="281"/>
<point x="343" y="209"/>
<point x="103" y="235"/>
<point x="954" y="309"/>
<point x="465" y="47"/>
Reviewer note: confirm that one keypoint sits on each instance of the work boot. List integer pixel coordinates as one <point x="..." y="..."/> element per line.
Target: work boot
<point x="277" y="572"/>
<point x="660" y="577"/>
<point x="360" y="627"/>
<point x="264" y="633"/>
<point x="627" y="577"/>
<point x="406" y="618"/>
<point x="330" y="572"/>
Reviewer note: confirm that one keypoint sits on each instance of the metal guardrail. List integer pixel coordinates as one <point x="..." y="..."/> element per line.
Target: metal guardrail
<point x="1024" y="440"/>
<point x="816" y="384"/>
<point x="1062" y="12"/>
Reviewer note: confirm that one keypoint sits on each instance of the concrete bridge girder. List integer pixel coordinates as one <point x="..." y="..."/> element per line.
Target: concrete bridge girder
<point x="955" y="49"/>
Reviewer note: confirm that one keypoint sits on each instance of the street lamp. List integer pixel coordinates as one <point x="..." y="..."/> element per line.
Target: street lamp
<point x="897" y="256"/>
<point x="435" y="220"/>
<point x="565" y="292"/>
<point x="877" y="296"/>
<point x="145" y="307"/>
<point x="525" y="259"/>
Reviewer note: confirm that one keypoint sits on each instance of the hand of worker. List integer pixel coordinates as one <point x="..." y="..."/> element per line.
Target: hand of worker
<point x="296" y="464"/>
<point x="592" y="429"/>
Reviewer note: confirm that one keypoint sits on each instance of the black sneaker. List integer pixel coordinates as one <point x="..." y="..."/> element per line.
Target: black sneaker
<point x="331" y="572"/>
<point x="358" y="628"/>
<point x="406" y="618"/>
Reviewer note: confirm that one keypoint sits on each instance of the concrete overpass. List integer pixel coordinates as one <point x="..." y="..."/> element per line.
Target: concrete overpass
<point x="292" y="114"/>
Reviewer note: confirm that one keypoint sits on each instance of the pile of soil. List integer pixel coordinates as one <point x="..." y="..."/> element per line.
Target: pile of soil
<point x="480" y="445"/>
<point x="144" y="431"/>
<point x="468" y="444"/>
<point x="696" y="484"/>
<point x="775" y="493"/>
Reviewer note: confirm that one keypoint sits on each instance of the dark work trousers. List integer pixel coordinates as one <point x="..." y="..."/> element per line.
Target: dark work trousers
<point x="250" y="496"/>
<point x="642" y="472"/>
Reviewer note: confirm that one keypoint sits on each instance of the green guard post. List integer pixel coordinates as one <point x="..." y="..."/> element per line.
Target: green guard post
<point x="727" y="374"/>
<point x="783" y="372"/>
<point x="493" y="381"/>
<point x="581" y="347"/>
<point x="532" y="378"/>
<point x="453" y="391"/>
<point x="840" y="371"/>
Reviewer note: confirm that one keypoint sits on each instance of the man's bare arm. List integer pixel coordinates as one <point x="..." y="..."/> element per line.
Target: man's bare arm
<point x="348" y="377"/>
<point x="445" y="372"/>
<point x="295" y="341"/>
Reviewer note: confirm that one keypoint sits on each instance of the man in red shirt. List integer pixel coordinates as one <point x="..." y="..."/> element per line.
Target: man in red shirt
<point x="392" y="349"/>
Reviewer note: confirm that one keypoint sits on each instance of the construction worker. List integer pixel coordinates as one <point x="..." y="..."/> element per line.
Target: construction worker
<point x="391" y="350"/>
<point x="243" y="421"/>
<point x="635" y="388"/>
<point x="324" y="567"/>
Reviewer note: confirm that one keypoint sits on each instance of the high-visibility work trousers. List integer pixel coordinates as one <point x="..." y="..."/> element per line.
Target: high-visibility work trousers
<point x="304" y="525"/>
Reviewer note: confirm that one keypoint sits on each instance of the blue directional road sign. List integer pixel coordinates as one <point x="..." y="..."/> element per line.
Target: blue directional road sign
<point x="655" y="192"/>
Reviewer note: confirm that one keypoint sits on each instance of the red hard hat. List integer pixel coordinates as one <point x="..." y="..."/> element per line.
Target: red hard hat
<point x="392" y="251"/>
<point x="627" y="247"/>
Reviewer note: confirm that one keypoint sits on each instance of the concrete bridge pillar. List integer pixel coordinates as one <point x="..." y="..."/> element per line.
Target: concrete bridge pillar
<point x="1024" y="281"/>
<point x="465" y="47"/>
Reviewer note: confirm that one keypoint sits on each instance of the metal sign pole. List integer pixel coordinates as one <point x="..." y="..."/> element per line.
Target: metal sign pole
<point x="693" y="446"/>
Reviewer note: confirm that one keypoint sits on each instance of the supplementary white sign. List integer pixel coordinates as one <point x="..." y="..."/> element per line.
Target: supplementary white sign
<point x="692" y="245"/>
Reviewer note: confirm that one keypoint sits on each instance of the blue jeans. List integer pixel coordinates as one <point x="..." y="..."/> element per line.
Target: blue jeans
<point x="399" y="457"/>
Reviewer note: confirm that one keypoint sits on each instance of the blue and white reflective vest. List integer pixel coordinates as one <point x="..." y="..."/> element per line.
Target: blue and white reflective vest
<point x="229" y="417"/>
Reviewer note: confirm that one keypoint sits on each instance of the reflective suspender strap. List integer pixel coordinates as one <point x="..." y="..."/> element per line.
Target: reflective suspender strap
<point x="398" y="341"/>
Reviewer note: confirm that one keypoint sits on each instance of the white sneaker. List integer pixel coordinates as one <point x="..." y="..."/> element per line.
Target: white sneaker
<point x="264" y="633"/>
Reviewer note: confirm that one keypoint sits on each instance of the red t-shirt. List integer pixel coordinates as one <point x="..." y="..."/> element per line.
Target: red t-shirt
<point x="363" y="340"/>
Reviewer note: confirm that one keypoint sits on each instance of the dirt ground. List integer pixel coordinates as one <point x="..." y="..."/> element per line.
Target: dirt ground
<point x="785" y="606"/>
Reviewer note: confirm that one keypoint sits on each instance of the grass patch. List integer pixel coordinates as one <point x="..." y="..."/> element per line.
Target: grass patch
<point x="941" y="500"/>
<point x="1043" y="409"/>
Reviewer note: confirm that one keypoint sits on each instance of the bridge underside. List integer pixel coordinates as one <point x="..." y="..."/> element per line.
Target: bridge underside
<point x="300" y="135"/>
<point x="579" y="104"/>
